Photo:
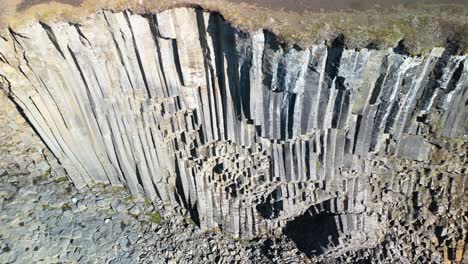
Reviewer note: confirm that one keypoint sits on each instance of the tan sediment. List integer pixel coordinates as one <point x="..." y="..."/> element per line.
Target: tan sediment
<point x="420" y="27"/>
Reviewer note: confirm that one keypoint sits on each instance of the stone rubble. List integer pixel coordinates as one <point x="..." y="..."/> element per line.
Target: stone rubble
<point x="44" y="219"/>
<point x="42" y="222"/>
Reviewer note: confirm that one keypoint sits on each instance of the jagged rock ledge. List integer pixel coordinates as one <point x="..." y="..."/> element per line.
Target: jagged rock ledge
<point x="249" y="135"/>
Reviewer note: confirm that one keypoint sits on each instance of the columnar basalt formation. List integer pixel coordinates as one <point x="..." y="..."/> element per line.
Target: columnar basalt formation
<point x="332" y="146"/>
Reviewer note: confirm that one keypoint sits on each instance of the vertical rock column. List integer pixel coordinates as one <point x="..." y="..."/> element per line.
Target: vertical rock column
<point x="244" y="131"/>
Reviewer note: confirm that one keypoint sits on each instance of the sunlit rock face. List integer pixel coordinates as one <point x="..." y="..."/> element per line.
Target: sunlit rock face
<point x="250" y="135"/>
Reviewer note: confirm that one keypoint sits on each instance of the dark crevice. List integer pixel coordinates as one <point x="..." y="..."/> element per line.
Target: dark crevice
<point x="312" y="233"/>
<point x="82" y="36"/>
<point x="153" y="22"/>
<point x="272" y="205"/>
<point x="338" y="104"/>
<point x="433" y="80"/>
<point x="210" y="106"/>
<point x="215" y="29"/>
<point x="138" y="175"/>
<point x="344" y="109"/>
<point x="15" y="35"/>
<point x="88" y="93"/>
<point x="452" y="84"/>
<point x="394" y="109"/>
<point x="52" y="37"/>
<point x="334" y="54"/>
<point x="271" y="49"/>
<point x="117" y="47"/>
<point x="138" y="57"/>
<point x="244" y="75"/>
<point x="3" y="59"/>
<point x="267" y="249"/>
<point x="177" y="61"/>
<point x="401" y="48"/>
<point x="290" y="116"/>
<point x="194" y="215"/>
<point x="179" y="190"/>
<point x="372" y="46"/>
<point x="356" y="133"/>
<point x="118" y="158"/>
<point x="380" y="82"/>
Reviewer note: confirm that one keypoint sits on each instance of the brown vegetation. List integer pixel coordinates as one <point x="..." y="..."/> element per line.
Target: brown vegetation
<point x="418" y="27"/>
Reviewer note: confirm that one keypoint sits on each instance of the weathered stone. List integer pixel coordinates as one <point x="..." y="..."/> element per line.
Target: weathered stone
<point x="330" y="146"/>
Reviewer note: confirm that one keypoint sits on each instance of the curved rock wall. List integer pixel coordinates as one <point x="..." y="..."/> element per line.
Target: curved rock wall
<point x="250" y="135"/>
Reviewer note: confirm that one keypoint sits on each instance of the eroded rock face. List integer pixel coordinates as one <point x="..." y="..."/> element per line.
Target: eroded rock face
<point x="251" y="136"/>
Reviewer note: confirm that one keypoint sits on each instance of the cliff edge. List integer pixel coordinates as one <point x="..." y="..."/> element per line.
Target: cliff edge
<point x="413" y="26"/>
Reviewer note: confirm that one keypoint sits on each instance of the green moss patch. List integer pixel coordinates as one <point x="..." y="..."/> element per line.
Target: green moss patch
<point x="61" y="179"/>
<point x="156" y="218"/>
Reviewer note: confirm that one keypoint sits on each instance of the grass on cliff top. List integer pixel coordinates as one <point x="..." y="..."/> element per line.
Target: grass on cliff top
<point x="420" y="27"/>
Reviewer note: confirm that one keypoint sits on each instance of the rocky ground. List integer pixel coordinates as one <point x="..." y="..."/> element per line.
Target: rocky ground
<point x="44" y="219"/>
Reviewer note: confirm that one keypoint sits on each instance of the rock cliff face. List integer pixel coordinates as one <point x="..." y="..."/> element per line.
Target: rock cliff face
<point x="340" y="150"/>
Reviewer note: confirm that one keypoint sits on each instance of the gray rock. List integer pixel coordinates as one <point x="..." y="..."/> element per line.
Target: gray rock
<point x="249" y="134"/>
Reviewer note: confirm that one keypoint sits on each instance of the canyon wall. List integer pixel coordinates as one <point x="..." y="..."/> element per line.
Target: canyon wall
<point x="251" y="135"/>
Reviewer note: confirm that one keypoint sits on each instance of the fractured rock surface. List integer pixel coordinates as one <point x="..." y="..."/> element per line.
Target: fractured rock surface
<point x="47" y="221"/>
<point x="252" y="136"/>
<point x="44" y="219"/>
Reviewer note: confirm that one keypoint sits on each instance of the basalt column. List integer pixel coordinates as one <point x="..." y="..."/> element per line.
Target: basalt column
<point x="248" y="134"/>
